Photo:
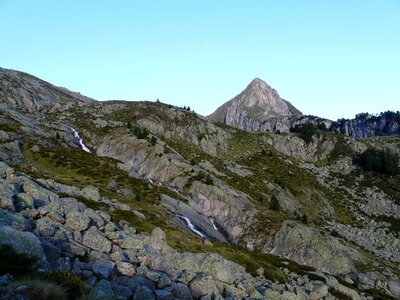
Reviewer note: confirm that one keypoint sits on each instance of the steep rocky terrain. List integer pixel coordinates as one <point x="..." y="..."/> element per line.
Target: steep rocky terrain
<point x="258" y="108"/>
<point x="367" y="125"/>
<point x="151" y="201"/>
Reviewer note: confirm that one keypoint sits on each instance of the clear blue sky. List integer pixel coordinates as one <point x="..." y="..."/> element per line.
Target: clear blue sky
<point x="329" y="58"/>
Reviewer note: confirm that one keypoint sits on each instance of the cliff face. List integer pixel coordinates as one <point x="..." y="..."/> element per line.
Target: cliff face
<point x="258" y="108"/>
<point x="366" y="125"/>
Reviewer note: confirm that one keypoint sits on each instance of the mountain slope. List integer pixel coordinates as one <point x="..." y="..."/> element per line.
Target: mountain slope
<point x="25" y="92"/>
<point x="256" y="105"/>
<point x="155" y="165"/>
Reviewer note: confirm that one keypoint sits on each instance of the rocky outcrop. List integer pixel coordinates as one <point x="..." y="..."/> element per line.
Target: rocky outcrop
<point x="309" y="246"/>
<point x="25" y="92"/>
<point x="220" y="201"/>
<point x="319" y="148"/>
<point x="258" y="107"/>
<point x="366" y="125"/>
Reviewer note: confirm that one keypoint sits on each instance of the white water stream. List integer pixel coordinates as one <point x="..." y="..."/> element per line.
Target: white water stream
<point x="78" y="139"/>
<point x="191" y="226"/>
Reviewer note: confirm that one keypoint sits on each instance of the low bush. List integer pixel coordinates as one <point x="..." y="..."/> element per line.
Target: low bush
<point x="74" y="284"/>
<point x="274" y="203"/>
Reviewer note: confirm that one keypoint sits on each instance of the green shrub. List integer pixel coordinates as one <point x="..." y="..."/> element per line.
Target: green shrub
<point x="334" y="233"/>
<point x="13" y="262"/>
<point x="138" y="198"/>
<point x="304" y="219"/>
<point x="274" y="203"/>
<point x="192" y="161"/>
<point x="208" y="180"/>
<point x="74" y="284"/>
<point x="140" y="133"/>
<point x="201" y="136"/>
<point x="200" y="176"/>
<point x="153" y="140"/>
<point x="305" y="131"/>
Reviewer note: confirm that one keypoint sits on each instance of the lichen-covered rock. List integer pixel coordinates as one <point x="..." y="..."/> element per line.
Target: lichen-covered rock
<point x="95" y="239"/>
<point x="13" y="220"/>
<point x="95" y="217"/>
<point x="92" y="193"/>
<point x="308" y="246"/>
<point x="125" y="268"/>
<point x="7" y="193"/>
<point x="203" y="286"/>
<point x="77" y="221"/>
<point x="207" y="263"/>
<point x="180" y="291"/>
<point x="22" y="242"/>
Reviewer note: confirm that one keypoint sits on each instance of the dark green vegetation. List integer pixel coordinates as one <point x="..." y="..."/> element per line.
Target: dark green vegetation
<point x="378" y="161"/>
<point x="305" y="131"/>
<point x="74" y="285"/>
<point x="55" y="285"/>
<point x="274" y="203"/>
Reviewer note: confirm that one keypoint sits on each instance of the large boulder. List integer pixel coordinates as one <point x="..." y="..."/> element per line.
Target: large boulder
<point x="103" y="268"/>
<point x="22" y="242"/>
<point x="92" y="193"/>
<point x="211" y="264"/>
<point x="203" y="286"/>
<point x="77" y="221"/>
<point x="15" y="221"/>
<point x="95" y="239"/>
<point x="309" y="246"/>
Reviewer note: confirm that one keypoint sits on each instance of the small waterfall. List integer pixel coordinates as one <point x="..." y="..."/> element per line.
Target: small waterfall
<point x="191" y="226"/>
<point x="78" y="140"/>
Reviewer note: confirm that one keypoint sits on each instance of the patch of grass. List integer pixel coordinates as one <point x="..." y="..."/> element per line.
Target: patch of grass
<point x="37" y="289"/>
<point x="74" y="285"/>
<point x="338" y="294"/>
<point x="378" y="295"/>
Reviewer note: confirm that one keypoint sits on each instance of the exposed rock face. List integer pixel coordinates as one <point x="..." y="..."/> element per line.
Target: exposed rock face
<point x="309" y="246"/>
<point x="23" y="91"/>
<point x="258" y="107"/>
<point x="220" y="201"/>
<point x="367" y="125"/>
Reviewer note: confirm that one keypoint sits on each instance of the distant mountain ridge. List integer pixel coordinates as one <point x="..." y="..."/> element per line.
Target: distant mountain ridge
<point x="365" y="125"/>
<point x="260" y="108"/>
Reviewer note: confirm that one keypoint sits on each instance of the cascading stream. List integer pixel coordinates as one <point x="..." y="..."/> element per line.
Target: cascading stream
<point x="79" y="141"/>
<point x="191" y="226"/>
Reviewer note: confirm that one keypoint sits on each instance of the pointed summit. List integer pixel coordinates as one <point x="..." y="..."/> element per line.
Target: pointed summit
<point x="256" y="104"/>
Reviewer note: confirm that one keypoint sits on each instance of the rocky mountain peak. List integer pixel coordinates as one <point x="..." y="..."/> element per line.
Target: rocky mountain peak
<point x="252" y="107"/>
